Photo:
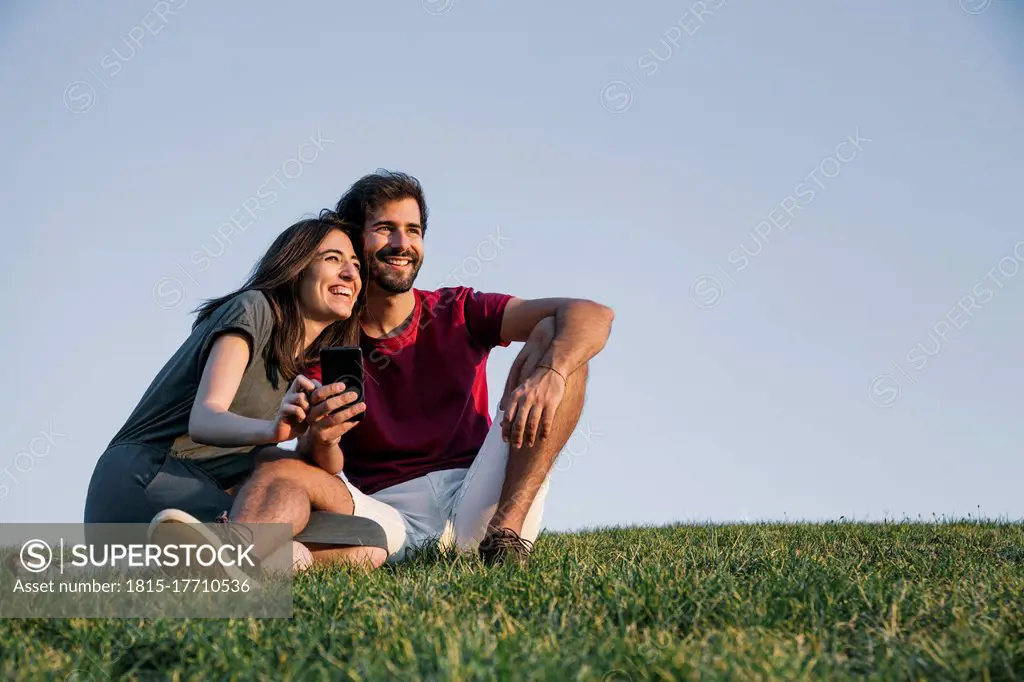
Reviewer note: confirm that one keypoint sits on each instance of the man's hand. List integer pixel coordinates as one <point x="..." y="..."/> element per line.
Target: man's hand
<point x="537" y="344"/>
<point x="531" y="408"/>
<point x="531" y="395"/>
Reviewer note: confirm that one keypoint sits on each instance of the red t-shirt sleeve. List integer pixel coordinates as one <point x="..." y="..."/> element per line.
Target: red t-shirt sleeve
<point x="484" y="313"/>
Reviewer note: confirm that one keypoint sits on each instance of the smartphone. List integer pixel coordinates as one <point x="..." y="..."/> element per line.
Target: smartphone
<point x="344" y="364"/>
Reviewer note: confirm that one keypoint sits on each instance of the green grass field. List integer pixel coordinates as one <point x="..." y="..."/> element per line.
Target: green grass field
<point x="835" y="601"/>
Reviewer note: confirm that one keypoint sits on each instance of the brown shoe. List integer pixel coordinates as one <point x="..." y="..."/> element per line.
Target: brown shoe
<point x="504" y="544"/>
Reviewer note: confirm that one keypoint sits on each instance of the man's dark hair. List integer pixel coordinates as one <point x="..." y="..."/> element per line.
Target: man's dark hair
<point x="370" y="192"/>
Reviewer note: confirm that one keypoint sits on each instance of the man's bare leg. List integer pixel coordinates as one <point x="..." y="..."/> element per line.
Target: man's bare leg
<point x="528" y="467"/>
<point x="285" y="490"/>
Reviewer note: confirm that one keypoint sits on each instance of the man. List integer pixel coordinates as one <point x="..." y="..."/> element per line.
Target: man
<point x="426" y="462"/>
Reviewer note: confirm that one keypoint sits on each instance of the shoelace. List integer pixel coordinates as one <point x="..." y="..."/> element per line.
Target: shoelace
<point x="233" y="532"/>
<point x="506" y="537"/>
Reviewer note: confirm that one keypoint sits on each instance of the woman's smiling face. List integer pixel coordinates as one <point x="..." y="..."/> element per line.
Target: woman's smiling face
<point x="330" y="284"/>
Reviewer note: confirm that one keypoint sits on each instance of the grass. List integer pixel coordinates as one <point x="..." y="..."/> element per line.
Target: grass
<point x="833" y="601"/>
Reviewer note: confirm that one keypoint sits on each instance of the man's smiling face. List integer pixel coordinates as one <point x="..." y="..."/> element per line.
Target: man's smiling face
<point x="393" y="238"/>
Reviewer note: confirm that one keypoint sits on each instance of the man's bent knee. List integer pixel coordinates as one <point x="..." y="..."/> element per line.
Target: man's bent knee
<point x="576" y="389"/>
<point x="580" y="375"/>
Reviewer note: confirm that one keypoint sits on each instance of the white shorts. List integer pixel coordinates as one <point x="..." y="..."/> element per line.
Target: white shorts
<point x="449" y="508"/>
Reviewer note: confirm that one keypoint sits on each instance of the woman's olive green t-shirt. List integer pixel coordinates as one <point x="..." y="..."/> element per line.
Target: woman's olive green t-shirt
<point x="161" y="418"/>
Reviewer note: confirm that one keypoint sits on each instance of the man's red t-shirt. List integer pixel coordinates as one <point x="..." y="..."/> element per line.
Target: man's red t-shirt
<point x="426" y="390"/>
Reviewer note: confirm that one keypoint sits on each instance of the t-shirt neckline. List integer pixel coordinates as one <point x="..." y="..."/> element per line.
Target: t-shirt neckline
<point x="407" y="327"/>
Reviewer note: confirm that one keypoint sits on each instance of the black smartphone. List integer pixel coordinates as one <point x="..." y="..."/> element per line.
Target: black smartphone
<point x="343" y="364"/>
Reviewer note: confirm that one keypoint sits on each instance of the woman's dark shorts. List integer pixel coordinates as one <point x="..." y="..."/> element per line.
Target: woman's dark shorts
<point x="133" y="482"/>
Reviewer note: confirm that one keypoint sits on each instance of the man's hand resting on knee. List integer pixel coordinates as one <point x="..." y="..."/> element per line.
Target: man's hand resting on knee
<point x="532" y="393"/>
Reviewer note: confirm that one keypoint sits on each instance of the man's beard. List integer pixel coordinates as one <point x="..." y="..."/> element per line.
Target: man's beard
<point x="386" y="278"/>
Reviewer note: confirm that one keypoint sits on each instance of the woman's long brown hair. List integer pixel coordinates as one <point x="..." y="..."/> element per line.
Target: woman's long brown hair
<point x="277" y="275"/>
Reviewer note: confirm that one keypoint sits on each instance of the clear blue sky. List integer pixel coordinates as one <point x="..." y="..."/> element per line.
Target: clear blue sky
<point x="625" y="152"/>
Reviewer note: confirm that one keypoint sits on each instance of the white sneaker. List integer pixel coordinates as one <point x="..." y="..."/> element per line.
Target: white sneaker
<point x="176" y="527"/>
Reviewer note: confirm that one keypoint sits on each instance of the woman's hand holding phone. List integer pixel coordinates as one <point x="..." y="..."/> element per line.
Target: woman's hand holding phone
<point x="332" y="413"/>
<point x="290" y="421"/>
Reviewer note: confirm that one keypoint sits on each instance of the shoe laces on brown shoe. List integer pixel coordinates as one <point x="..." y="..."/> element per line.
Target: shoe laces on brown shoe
<point x="505" y="544"/>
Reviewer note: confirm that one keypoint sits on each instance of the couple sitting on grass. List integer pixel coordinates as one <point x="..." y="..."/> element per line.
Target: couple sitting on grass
<point x="425" y="464"/>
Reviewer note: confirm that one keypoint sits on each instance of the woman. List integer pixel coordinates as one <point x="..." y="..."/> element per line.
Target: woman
<point x="235" y="385"/>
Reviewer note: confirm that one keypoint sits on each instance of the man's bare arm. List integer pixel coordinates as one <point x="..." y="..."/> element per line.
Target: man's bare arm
<point x="582" y="328"/>
<point x="326" y="455"/>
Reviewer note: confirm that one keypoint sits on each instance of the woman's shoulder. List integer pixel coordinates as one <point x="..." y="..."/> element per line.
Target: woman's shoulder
<point x="252" y="302"/>
<point x="252" y="298"/>
<point x="250" y="310"/>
